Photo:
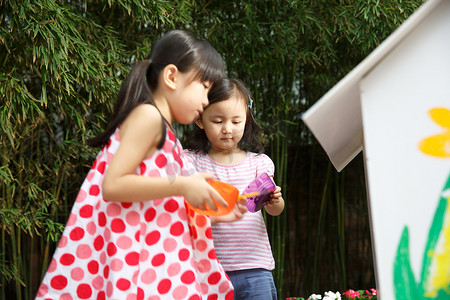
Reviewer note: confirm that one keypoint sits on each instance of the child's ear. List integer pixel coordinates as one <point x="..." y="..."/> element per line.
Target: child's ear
<point x="170" y="73"/>
<point x="199" y="123"/>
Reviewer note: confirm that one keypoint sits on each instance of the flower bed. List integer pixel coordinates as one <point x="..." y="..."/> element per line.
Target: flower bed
<point x="350" y="294"/>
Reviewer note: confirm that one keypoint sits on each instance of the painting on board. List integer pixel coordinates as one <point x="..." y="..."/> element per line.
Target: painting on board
<point x="434" y="280"/>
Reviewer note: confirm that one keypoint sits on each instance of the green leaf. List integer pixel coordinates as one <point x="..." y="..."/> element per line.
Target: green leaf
<point x="405" y="286"/>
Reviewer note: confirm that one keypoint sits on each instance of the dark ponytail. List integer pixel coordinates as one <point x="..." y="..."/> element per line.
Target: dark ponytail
<point x="177" y="47"/>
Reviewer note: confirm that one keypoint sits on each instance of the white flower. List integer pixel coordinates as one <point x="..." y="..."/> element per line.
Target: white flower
<point x="315" y="297"/>
<point x="332" y="296"/>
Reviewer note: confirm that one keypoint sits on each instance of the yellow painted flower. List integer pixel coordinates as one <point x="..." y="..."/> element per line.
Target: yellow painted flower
<point x="439" y="144"/>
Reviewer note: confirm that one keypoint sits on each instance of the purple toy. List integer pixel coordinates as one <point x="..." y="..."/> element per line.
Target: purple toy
<point x="262" y="187"/>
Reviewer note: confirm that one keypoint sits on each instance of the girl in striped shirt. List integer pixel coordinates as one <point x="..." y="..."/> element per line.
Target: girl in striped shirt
<point x="226" y="143"/>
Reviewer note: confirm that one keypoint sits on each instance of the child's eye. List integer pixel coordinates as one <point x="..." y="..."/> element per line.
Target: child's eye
<point x="236" y="122"/>
<point x="217" y="122"/>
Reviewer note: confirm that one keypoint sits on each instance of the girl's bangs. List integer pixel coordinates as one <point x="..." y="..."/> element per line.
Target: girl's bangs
<point x="211" y="73"/>
<point x="211" y="66"/>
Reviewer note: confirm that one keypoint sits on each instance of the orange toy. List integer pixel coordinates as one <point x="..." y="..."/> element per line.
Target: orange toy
<point x="228" y="192"/>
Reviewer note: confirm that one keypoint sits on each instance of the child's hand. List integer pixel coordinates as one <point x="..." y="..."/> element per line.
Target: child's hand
<point x="275" y="197"/>
<point x="199" y="192"/>
<point x="236" y="214"/>
<point x="276" y="203"/>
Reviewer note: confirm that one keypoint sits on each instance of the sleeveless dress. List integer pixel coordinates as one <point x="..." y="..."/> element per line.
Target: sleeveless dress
<point x="150" y="250"/>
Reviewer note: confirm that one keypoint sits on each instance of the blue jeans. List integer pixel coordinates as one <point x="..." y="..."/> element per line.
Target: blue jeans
<point x="254" y="284"/>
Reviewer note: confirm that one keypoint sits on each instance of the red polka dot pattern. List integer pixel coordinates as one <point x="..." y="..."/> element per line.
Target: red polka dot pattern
<point x="106" y="272"/>
<point x="93" y="267"/>
<point x="146" y="250"/>
<point x="132" y="258"/>
<point x="150" y="214"/>
<point x="184" y="254"/>
<point x="101" y="167"/>
<point x="76" y="234"/>
<point x="58" y="282"/>
<point x="101" y="219"/>
<point x="126" y="204"/>
<point x="111" y="249"/>
<point x="123" y="284"/>
<point x="177" y="229"/>
<point x="143" y="168"/>
<point x="84" y="291"/>
<point x="94" y="190"/>
<point x="208" y="233"/>
<point x="158" y="259"/>
<point x="214" y="278"/>
<point x="188" y="277"/>
<point x="99" y="243"/>
<point x="152" y="238"/>
<point x="161" y="160"/>
<point x="171" y="206"/>
<point x="67" y="259"/>
<point x="86" y="211"/>
<point x="117" y="225"/>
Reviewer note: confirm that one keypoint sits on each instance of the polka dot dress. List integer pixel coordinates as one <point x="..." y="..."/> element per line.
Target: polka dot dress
<point x="128" y="251"/>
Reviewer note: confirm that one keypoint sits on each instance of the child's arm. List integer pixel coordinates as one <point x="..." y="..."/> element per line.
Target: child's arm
<point x="140" y="134"/>
<point x="275" y="205"/>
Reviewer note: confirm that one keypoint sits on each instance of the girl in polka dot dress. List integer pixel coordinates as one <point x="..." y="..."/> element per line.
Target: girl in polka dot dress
<point x="129" y="235"/>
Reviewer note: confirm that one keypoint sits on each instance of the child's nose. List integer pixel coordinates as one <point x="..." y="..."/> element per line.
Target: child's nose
<point x="226" y="128"/>
<point x="205" y="101"/>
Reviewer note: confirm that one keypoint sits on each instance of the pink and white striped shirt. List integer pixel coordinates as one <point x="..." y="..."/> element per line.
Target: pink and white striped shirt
<point x="243" y="244"/>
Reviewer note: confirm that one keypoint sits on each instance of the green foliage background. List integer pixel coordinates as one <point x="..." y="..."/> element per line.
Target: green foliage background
<point x="62" y="62"/>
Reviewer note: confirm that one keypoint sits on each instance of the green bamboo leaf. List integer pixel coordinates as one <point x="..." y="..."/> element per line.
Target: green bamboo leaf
<point x="5" y="174"/>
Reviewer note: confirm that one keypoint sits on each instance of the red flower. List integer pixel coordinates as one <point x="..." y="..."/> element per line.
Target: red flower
<point x="351" y="294"/>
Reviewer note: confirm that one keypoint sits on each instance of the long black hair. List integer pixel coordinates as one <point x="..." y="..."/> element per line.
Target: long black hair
<point x="178" y="47"/>
<point x="197" y="140"/>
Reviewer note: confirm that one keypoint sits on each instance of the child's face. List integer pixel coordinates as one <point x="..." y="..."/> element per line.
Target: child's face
<point x="224" y="123"/>
<point x="191" y="96"/>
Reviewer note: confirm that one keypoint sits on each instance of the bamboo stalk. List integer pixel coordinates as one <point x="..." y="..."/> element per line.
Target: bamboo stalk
<point x="282" y="217"/>
<point x="4" y="189"/>
<point x="3" y="282"/>
<point x="15" y="262"/>
<point x="31" y="267"/>
<point x="340" y="216"/>
<point x="309" y="270"/>
<point x="320" y="228"/>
